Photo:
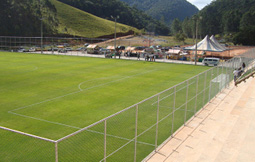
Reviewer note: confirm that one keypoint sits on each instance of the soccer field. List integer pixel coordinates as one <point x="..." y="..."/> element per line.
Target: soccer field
<point x="52" y="96"/>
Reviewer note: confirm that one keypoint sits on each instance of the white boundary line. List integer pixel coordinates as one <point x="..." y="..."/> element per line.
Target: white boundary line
<point x="27" y="134"/>
<point x="171" y="94"/>
<point x="80" y="90"/>
<point x="57" y="123"/>
<point x="79" y="86"/>
<point x="66" y="125"/>
<point x="70" y="126"/>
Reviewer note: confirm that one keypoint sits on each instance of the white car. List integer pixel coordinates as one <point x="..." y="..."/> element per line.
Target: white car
<point x="21" y="50"/>
<point x="32" y="49"/>
<point x="210" y="61"/>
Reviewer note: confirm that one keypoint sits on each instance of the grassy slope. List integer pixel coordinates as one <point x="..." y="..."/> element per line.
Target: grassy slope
<point x="80" y="23"/>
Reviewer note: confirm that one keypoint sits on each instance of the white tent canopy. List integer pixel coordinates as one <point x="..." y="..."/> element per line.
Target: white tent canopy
<point x="205" y="45"/>
<point x="217" y="43"/>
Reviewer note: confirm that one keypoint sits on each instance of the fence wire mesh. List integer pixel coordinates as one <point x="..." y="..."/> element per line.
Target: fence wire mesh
<point x="20" y="147"/>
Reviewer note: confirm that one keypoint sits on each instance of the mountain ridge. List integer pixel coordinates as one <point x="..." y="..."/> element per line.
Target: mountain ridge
<point x="165" y="10"/>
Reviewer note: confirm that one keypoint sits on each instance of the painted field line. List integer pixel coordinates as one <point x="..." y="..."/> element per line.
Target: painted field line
<point x="171" y="94"/>
<point x="123" y="138"/>
<point x="78" y="128"/>
<point x="80" y="91"/>
<point x="112" y="81"/>
<point x="57" y="123"/>
<point x="70" y="126"/>
<point x="45" y="101"/>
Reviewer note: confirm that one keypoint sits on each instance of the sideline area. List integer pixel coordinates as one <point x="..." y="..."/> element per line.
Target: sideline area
<point x="224" y="130"/>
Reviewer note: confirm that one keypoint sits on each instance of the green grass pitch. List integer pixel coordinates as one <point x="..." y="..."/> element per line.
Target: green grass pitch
<point x="52" y="96"/>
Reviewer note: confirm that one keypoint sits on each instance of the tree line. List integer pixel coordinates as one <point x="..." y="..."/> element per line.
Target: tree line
<point x="24" y="17"/>
<point x="127" y="15"/>
<point x="231" y="20"/>
<point x="164" y="10"/>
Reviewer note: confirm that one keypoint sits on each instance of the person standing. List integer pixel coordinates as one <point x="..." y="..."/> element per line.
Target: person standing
<point x="243" y="67"/>
<point x="236" y="73"/>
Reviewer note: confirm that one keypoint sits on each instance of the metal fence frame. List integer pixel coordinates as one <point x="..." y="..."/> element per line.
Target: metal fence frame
<point x="204" y="92"/>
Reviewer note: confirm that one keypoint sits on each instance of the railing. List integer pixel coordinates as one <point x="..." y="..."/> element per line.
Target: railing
<point x="133" y="133"/>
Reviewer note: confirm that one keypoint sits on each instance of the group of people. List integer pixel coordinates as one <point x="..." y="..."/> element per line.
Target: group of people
<point x="238" y="72"/>
<point x="150" y="57"/>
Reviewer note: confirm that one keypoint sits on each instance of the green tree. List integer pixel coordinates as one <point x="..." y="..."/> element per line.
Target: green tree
<point x="245" y="36"/>
<point x="180" y="37"/>
<point x="187" y="27"/>
<point x="231" y="21"/>
<point x="176" y="26"/>
<point x="248" y="19"/>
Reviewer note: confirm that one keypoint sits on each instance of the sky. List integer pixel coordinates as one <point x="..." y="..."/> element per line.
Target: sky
<point x="200" y="3"/>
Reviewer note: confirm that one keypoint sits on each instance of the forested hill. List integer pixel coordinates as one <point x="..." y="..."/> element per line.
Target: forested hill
<point x="165" y="10"/>
<point x="23" y="17"/>
<point x="234" y="18"/>
<point x="127" y="15"/>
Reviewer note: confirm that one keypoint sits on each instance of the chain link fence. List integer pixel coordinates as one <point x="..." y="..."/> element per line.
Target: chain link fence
<point x="133" y="133"/>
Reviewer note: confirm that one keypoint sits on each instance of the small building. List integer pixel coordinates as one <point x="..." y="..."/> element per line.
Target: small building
<point x="92" y="49"/>
<point x="111" y="48"/>
<point x="173" y="54"/>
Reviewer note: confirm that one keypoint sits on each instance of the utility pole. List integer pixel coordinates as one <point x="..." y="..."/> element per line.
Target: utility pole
<point x="41" y="27"/>
<point x="41" y="36"/>
<point x="196" y="23"/>
<point x="115" y="20"/>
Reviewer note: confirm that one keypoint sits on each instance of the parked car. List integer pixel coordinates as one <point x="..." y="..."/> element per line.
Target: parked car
<point x="121" y="48"/>
<point x="22" y="50"/>
<point x="53" y="49"/>
<point x="81" y="49"/>
<point x="86" y="44"/>
<point x="208" y="61"/>
<point x="104" y="51"/>
<point x="68" y="49"/>
<point x="62" y="50"/>
<point x="32" y="49"/>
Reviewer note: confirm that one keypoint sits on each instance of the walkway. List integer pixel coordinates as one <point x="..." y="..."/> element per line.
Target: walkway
<point x="78" y="53"/>
<point x="223" y="131"/>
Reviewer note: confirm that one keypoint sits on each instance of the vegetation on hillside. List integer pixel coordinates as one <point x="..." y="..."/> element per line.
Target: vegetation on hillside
<point x="23" y="17"/>
<point x="232" y="20"/>
<point x="26" y="17"/>
<point x="165" y="10"/>
<point x="127" y="15"/>
<point x="73" y="21"/>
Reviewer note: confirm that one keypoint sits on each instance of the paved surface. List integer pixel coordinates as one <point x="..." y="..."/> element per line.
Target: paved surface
<point x="78" y="53"/>
<point x="224" y="131"/>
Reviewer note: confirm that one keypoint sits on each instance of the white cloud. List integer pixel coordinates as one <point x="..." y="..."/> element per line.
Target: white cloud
<point x="200" y="3"/>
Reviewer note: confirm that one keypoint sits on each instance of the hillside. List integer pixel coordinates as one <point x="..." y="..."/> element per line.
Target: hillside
<point x="127" y="15"/>
<point x="76" y="22"/>
<point x="24" y="19"/>
<point x="232" y="18"/>
<point x="165" y="10"/>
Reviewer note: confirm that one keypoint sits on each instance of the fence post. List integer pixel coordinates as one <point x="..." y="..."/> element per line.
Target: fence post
<point x="196" y="95"/>
<point x="136" y="127"/>
<point x="173" y="112"/>
<point x="204" y="88"/>
<point x="105" y="125"/>
<point x="210" y="86"/>
<point x="56" y="151"/>
<point x="156" y="137"/>
<point x="186" y="106"/>
<point x="218" y="89"/>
